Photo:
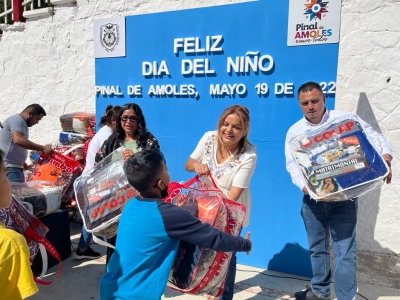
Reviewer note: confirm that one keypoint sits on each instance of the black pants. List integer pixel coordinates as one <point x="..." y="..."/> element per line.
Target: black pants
<point x="110" y="251"/>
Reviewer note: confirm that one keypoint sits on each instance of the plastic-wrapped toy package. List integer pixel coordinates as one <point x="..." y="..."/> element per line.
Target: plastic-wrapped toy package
<point x="75" y="152"/>
<point x="18" y="218"/>
<point x="78" y="121"/>
<point x="44" y="196"/>
<point x="197" y="270"/>
<point x="60" y="170"/>
<point x="338" y="160"/>
<point x="73" y="138"/>
<point x="102" y="193"/>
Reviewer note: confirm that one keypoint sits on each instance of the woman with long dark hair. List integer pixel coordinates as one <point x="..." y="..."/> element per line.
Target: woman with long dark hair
<point x="132" y="135"/>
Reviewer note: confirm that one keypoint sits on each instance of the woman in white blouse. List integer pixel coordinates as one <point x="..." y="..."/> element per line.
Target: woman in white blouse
<point x="228" y="156"/>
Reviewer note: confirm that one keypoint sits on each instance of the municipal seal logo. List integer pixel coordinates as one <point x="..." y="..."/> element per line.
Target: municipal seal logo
<point x="316" y="9"/>
<point x="109" y="36"/>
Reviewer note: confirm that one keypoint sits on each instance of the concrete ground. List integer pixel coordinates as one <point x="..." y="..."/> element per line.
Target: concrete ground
<point x="79" y="280"/>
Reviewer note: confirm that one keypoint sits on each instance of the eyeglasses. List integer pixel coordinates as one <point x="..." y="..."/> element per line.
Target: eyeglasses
<point x="130" y="118"/>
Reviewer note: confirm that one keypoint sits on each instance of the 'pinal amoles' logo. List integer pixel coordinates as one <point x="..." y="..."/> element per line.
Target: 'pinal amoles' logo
<point x="316" y="9"/>
<point x="109" y="36"/>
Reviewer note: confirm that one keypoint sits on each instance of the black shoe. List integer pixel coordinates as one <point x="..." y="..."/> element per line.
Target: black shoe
<point x="88" y="253"/>
<point x="307" y="294"/>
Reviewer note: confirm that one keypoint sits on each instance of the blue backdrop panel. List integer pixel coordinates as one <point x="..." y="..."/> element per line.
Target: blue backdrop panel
<point x="178" y="122"/>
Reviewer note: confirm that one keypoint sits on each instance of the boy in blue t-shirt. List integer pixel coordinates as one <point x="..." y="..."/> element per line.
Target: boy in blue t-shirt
<point x="149" y="232"/>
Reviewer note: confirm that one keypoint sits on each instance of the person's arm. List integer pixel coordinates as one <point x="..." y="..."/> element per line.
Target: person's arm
<point x="106" y="148"/>
<point x="94" y="146"/>
<point x="242" y="178"/>
<point x="381" y="144"/>
<point x="180" y="224"/>
<point x="193" y="164"/>
<point x="19" y="139"/>
<point x="152" y="143"/>
<point x="388" y="159"/>
<point x="292" y="167"/>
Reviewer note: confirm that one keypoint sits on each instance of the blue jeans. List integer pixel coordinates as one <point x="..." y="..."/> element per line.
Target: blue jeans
<point x="15" y="174"/>
<point x="85" y="239"/>
<point x="230" y="280"/>
<point x="336" y="219"/>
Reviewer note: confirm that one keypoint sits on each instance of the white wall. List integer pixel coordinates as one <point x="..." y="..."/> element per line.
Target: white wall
<point x="369" y="83"/>
<point x="51" y="62"/>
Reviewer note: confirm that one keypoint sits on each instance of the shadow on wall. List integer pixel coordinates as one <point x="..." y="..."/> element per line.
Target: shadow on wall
<point x="369" y="203"/>
<point x="292" y="259"/>
<point x="376" y="264"/>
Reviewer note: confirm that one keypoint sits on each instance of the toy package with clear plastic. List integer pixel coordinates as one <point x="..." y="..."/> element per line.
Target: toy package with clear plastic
<point x="101" y="194"/>
<point x="339" y="160"/>
<point x="197" y="270"/>
<point x="19" y="219"/>
<point x="76" y="152"/>
<point x="79" y="122"/>
<point x="43" y="197"/>
<point x="59" y="169"/>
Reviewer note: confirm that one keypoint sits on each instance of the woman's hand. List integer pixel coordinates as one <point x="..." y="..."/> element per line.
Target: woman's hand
<point x="201" y="169"/>
<point x="193" y="165"/>
<point x="126" y="153"/>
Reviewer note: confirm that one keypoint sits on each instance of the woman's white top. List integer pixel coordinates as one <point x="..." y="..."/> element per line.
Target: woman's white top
<point x="94" y="146"/>
<point x="230" y="173"/>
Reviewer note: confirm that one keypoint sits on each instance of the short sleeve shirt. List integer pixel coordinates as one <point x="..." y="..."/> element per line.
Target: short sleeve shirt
<point x="237" y="172"/>
<point x="16" y="279"/>
<point x="15" y="155"/>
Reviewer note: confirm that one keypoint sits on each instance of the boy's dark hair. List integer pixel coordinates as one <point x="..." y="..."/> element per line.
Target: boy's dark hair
<point x="36" y="109"/>
<point x="309" y="86"/>
<point x="143" y="169"/>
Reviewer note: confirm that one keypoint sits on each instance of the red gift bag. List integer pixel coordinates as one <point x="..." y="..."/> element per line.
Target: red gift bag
<point x="197" y="270"/>
<point x="59" y="169"/>
<point x="19" y="219"/>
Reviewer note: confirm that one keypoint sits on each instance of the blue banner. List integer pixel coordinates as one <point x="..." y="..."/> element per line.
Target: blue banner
<point x="185" y="67"/>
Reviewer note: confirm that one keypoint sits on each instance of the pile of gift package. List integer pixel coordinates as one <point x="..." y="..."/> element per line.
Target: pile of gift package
<point x="50" y="178"/>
